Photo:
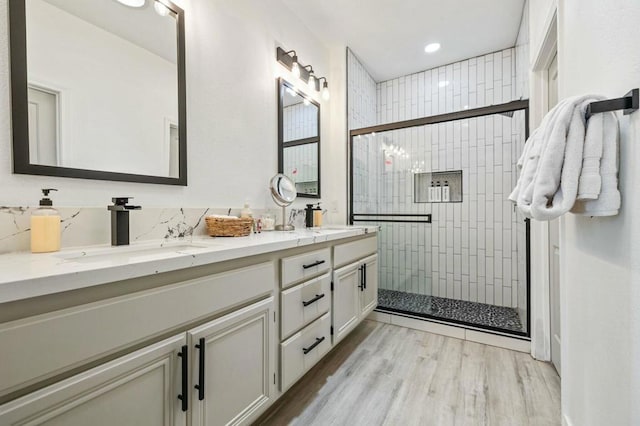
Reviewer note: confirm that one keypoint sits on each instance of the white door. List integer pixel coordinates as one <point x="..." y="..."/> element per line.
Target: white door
<point x="369" y="294"/>
<point x="139" y="389"/>
<point x="554" y="245"/>
<point x="233" y="380"/>
<point x="346" y="300"/>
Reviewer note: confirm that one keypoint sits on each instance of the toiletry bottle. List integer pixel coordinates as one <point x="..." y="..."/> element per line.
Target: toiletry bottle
<point x="246" y="212"/>
<point x="437" y="193"/>
<point x="308" y="216"/>
<point x="445" y="192"/>
<point x="317" y="216"/>
<point x="431" y="194"/>
<point x="45" y="226"/>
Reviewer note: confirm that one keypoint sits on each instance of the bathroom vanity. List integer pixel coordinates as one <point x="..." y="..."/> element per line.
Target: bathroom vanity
<point x="205" y="331"/>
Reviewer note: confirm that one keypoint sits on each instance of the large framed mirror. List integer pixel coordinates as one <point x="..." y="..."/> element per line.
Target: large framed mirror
<point x="299" y="139"/>
<point x="98" y="89"/>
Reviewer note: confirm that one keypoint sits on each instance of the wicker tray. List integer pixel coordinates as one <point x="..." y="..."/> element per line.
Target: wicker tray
<point x="228" y="227"/>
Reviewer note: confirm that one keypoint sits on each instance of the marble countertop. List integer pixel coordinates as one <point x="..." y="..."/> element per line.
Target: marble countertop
<point x="25" y="275"/>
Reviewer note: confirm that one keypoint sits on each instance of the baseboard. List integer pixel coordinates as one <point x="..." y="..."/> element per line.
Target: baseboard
<point x="458" y="332"/>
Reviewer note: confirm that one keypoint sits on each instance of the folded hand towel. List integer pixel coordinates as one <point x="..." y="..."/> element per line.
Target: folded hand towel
<point x="590" y="180"/>
<point x="608" y="201"/>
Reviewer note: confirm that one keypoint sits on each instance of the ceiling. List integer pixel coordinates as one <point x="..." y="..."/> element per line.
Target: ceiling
<point x="141" y="26"/>
<point x="389" y="36"/>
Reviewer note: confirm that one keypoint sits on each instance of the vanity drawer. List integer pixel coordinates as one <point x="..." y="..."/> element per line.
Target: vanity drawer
<point x="307" y="265"/>
<point x="304" y="349"/>
<point x="304" y="303"/>
<point x="36" y="348"/>
<point x="350" y="252"/>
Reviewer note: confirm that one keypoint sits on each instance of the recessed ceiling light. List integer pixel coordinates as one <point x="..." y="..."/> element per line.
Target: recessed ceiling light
<point x="432" y="47"/>
<point x="132" y="3"/>
<point x="443" y="83"/>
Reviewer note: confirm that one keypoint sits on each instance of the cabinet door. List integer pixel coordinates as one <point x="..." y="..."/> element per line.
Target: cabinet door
<point x="346" y="300"/>
<point x="233" y="380"/>
<point x="141" y="388"/>
<point x="369" y="294"/>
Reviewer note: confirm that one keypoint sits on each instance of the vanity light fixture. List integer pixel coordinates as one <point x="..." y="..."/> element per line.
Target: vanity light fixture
<point x="161" y="8"/>
<point x="289" y="60"/>
<point x="325" y="89"/>
<point x="132" y="3"/>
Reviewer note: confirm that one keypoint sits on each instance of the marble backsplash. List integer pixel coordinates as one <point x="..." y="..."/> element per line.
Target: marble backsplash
<point x="92" y="225"/>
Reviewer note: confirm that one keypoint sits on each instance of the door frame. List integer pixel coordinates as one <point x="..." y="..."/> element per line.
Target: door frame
<point x="543" y="55"/>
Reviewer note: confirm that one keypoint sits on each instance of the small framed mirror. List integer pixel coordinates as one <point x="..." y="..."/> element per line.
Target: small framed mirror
<point x="98" y="89"/>
<point x="299" y="139"/>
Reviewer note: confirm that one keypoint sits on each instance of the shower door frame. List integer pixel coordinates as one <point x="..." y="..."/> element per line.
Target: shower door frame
<point x="513" y="106"/>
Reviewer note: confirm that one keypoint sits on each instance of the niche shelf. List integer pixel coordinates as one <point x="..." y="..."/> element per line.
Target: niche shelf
<point x="423" y="181"/>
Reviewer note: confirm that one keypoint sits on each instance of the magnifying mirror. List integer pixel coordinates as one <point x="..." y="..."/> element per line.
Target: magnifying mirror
<point x="283" y="192"/>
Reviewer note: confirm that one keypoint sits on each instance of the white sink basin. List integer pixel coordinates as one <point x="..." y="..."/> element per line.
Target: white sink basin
<point x="131" y="252"/>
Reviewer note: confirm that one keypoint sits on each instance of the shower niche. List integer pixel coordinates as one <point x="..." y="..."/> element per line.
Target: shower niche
<point x="438" y="187"/>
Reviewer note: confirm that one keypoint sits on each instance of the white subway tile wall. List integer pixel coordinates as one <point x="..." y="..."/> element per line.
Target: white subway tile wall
<point x="474" y="250"/>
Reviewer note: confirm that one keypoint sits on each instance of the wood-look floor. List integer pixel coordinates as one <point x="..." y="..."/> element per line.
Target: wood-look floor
<point x="383" y="374"/>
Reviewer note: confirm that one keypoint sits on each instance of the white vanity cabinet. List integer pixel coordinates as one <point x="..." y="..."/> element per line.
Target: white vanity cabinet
<point x="214" y="344"/>
<point x="233" y="368"/>
<point x="355" y="285"/>
<point x="139" y="389"/>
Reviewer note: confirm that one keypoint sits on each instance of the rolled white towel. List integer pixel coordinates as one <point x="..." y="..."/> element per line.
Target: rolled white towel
<point x="609" y="199"/>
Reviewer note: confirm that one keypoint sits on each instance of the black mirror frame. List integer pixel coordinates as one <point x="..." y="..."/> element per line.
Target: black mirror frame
<point x="282" y="84"/>
<point x="20" y="116"/>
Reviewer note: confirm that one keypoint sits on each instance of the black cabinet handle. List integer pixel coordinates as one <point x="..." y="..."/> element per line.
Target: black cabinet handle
<point x="200" y="385"/>
<point x="361" y="286"/>
<point x="316" y="343"/>
<point x="364" y="275"/>
<point x="311" y="265"/>
<point x="315" y="299"/>
<point x="184" y="396"/>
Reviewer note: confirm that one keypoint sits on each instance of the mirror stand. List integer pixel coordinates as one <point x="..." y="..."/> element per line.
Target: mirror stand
<point x="283" y="192"/>
<point x="284" y="226"/>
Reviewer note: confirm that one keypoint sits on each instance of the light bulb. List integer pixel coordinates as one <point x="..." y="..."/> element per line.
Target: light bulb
<point x="295" y="68"/>
<point x="161" y="9"/>
<point x="312" y="82"/>
<point x="325" y="91"/>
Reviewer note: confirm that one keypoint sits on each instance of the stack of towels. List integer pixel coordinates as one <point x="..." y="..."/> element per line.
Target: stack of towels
<point x="570" y="163"/>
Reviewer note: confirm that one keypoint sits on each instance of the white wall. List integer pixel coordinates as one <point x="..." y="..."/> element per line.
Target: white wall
<point x="232" y="113"/>
<point x="598" y="44"/>
<point x="95" y="71"/>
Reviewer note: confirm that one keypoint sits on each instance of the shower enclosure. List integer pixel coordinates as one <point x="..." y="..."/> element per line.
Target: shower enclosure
<point x="451" y="246"/>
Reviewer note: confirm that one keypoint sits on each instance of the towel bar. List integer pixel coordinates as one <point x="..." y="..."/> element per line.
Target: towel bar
<point x="629" y="103"/>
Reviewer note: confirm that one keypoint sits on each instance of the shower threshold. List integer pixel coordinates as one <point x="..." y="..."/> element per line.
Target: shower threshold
<point x="490" y="317"/>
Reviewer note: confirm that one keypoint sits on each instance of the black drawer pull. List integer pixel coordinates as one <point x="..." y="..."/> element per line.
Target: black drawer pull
<point x="200" y="385"/>
<point x="310" y="348"/>
<point x="311" y="265"/>
<point x="184" y="396"/>
<point x="362" y="285"/>
<point x="315" y="299"/>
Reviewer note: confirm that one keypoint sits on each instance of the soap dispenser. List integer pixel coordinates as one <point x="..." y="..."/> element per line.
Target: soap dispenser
<point x="308" y="216"/>
<point x="317" y="216"/>
<point x="45" y="226"/>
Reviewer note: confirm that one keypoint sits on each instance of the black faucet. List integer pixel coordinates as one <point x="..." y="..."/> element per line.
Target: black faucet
<point x="120" y="220"/>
